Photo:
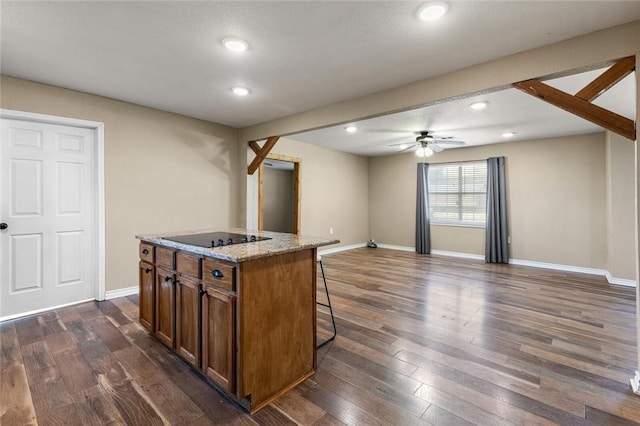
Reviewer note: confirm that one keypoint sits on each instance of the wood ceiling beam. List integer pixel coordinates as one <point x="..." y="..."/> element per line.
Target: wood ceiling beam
<point x="262" y="153"/>
<point x="255" y="147"/>
<point x="581" y="105"/>
<point x="578" y="106"/>
<point x="607" y="79"/>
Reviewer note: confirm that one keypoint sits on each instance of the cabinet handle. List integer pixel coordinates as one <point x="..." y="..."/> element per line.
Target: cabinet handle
<point x="202" y="292"/>
<point x="145" y="251"/>
<point x="217" y="273"/>
<point x="168" y="278"/>
<point x="147" y="270"/>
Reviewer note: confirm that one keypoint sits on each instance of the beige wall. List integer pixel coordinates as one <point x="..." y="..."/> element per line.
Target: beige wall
<point x="277" y="200"/>
<point x="620" y="172"/>
<point x="163" y="172"/>
<point x="555" y="198"/>
<point x="334" y="189"/>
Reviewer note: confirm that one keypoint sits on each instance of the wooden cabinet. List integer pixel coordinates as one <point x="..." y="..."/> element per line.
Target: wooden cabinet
<point x="218" y="337"/>
<point x="146" y="293"/>
<point x="165" y="306"/>
<point x="248" y="327"/>
<point x="188" y="319"/>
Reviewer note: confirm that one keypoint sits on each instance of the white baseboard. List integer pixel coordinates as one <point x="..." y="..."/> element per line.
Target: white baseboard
<point x="620" y="281"/>
<point x="121" y="292"/>
<point x="38" y="311"/>
<point x="635" y="383"/>
<point x="533" y="264"/>
<point x="342" y="248"/>
<point x="558" y="267"/>
<point x="457" y="254"/>
<point x="399" y="248"/>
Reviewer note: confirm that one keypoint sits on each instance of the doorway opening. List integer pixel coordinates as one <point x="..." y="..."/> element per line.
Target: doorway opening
<point x="279" y="194"/>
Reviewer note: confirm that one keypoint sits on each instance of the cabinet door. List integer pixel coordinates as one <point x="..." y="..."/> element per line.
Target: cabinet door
<point x="146" y="295"/>
<point x="188" y="320"/>
<point x="218" y="338"/>
<point x="165" y="307"/>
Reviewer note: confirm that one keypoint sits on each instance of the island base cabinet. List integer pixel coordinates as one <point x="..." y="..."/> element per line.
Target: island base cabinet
<point x="165" y="307"/>
<point x="218" y="338"/>
<point x="147" y="295"/>
<point x="188" y="320"/>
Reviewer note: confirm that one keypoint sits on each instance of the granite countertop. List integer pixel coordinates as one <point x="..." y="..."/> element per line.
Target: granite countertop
<point x="279" y="243"/>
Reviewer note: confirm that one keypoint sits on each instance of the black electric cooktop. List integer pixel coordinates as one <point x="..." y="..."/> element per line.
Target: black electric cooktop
<point x="215" y="239"/>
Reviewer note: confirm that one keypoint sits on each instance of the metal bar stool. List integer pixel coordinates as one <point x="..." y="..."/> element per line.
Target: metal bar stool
<point x="326" y="305"/>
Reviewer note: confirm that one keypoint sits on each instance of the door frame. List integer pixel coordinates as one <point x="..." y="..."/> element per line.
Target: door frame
<point x="99" y="202"/>
<point x="297" y="190"/>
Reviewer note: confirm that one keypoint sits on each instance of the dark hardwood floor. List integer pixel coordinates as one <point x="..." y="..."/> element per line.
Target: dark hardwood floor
<point x="421" y="340"/>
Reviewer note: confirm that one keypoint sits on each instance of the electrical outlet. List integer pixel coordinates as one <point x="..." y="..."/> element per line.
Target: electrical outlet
<point x="330" y="231"/>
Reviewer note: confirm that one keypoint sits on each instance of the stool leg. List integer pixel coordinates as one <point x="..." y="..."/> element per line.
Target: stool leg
<point x="333" y="321"/>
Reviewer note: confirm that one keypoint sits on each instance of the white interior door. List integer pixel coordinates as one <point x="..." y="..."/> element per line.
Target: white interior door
<point x="47" y="251"/>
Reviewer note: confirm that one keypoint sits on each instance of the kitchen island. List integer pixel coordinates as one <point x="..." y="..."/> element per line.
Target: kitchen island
<point x="239" y="306"/>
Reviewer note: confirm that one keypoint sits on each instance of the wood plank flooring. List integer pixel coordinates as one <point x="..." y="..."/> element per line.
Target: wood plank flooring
<point x="421" y="340"/>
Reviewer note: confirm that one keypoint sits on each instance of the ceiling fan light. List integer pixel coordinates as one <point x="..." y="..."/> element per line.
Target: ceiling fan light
<point x="433" y="11"/>
<point x="420" y="152"/>
<point x="428" y="152"/>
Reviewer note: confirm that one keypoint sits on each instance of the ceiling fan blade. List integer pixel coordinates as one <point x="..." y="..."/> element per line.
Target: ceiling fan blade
<point x="449" y="142"/>
<point x="411" y="147"/>
<point x="435" y="148"/>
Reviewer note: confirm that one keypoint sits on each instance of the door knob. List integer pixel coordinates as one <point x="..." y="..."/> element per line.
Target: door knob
<point x="3" y="226"/>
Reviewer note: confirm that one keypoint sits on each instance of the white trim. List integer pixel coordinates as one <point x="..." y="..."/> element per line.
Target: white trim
<point x="458" y="254"/>
<point x="342" y="248"/>
<point x="98" y="130"/>
<point x="635" y="383"/>
<point x="619" y="281"/>
<point x="519" y="262"/>
<point x="558" y="267"/>
<point x="399" y="248"/>
<point x="38" y="311"/>
<point x="121" y="292"/>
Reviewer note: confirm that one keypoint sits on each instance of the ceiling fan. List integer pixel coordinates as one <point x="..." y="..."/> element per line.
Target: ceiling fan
<point x="426" y="144"/>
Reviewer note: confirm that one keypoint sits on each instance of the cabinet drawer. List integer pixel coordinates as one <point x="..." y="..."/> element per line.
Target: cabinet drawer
<point x="188" y="264"/>
<point x="219" y="273"/>
<point x="166" y="258"/>
<point x="146" y="252"/>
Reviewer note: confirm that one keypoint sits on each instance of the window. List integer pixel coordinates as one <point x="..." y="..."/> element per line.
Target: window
<point x="458" y="193"/>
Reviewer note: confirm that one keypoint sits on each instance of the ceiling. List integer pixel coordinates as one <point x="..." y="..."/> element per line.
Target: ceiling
<point x="303" y="55"/>
<point x="507" y="110"/>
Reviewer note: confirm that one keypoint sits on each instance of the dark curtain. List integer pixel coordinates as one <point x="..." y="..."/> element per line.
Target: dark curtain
<point x="496" y="247"/>
<point x="423" y="233"/>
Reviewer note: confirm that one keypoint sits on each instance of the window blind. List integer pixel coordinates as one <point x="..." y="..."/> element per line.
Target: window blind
<point x="458" y="193"/>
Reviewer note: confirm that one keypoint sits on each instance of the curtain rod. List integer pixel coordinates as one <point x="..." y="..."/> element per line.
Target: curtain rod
<point x="457" y="162"/>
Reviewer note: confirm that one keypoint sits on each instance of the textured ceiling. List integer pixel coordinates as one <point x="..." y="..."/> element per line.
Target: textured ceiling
<point x="302" y="55"/>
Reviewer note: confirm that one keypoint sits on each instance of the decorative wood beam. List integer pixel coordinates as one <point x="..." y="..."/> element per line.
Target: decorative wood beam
<point x="254" y="146"/>
<point x="607" y="79"/>
<point x="578" y="106"/>
<point x="262" y="154"/>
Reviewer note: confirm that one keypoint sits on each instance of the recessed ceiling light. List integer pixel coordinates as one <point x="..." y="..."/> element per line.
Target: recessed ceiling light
<point x="433" y="11"/>
<point x="240" y="91"/>
<point x="508" y="134"/>
<point x="478" y="105"/>
<point x="235" y="44"/>
<point x="351" y="129"/>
